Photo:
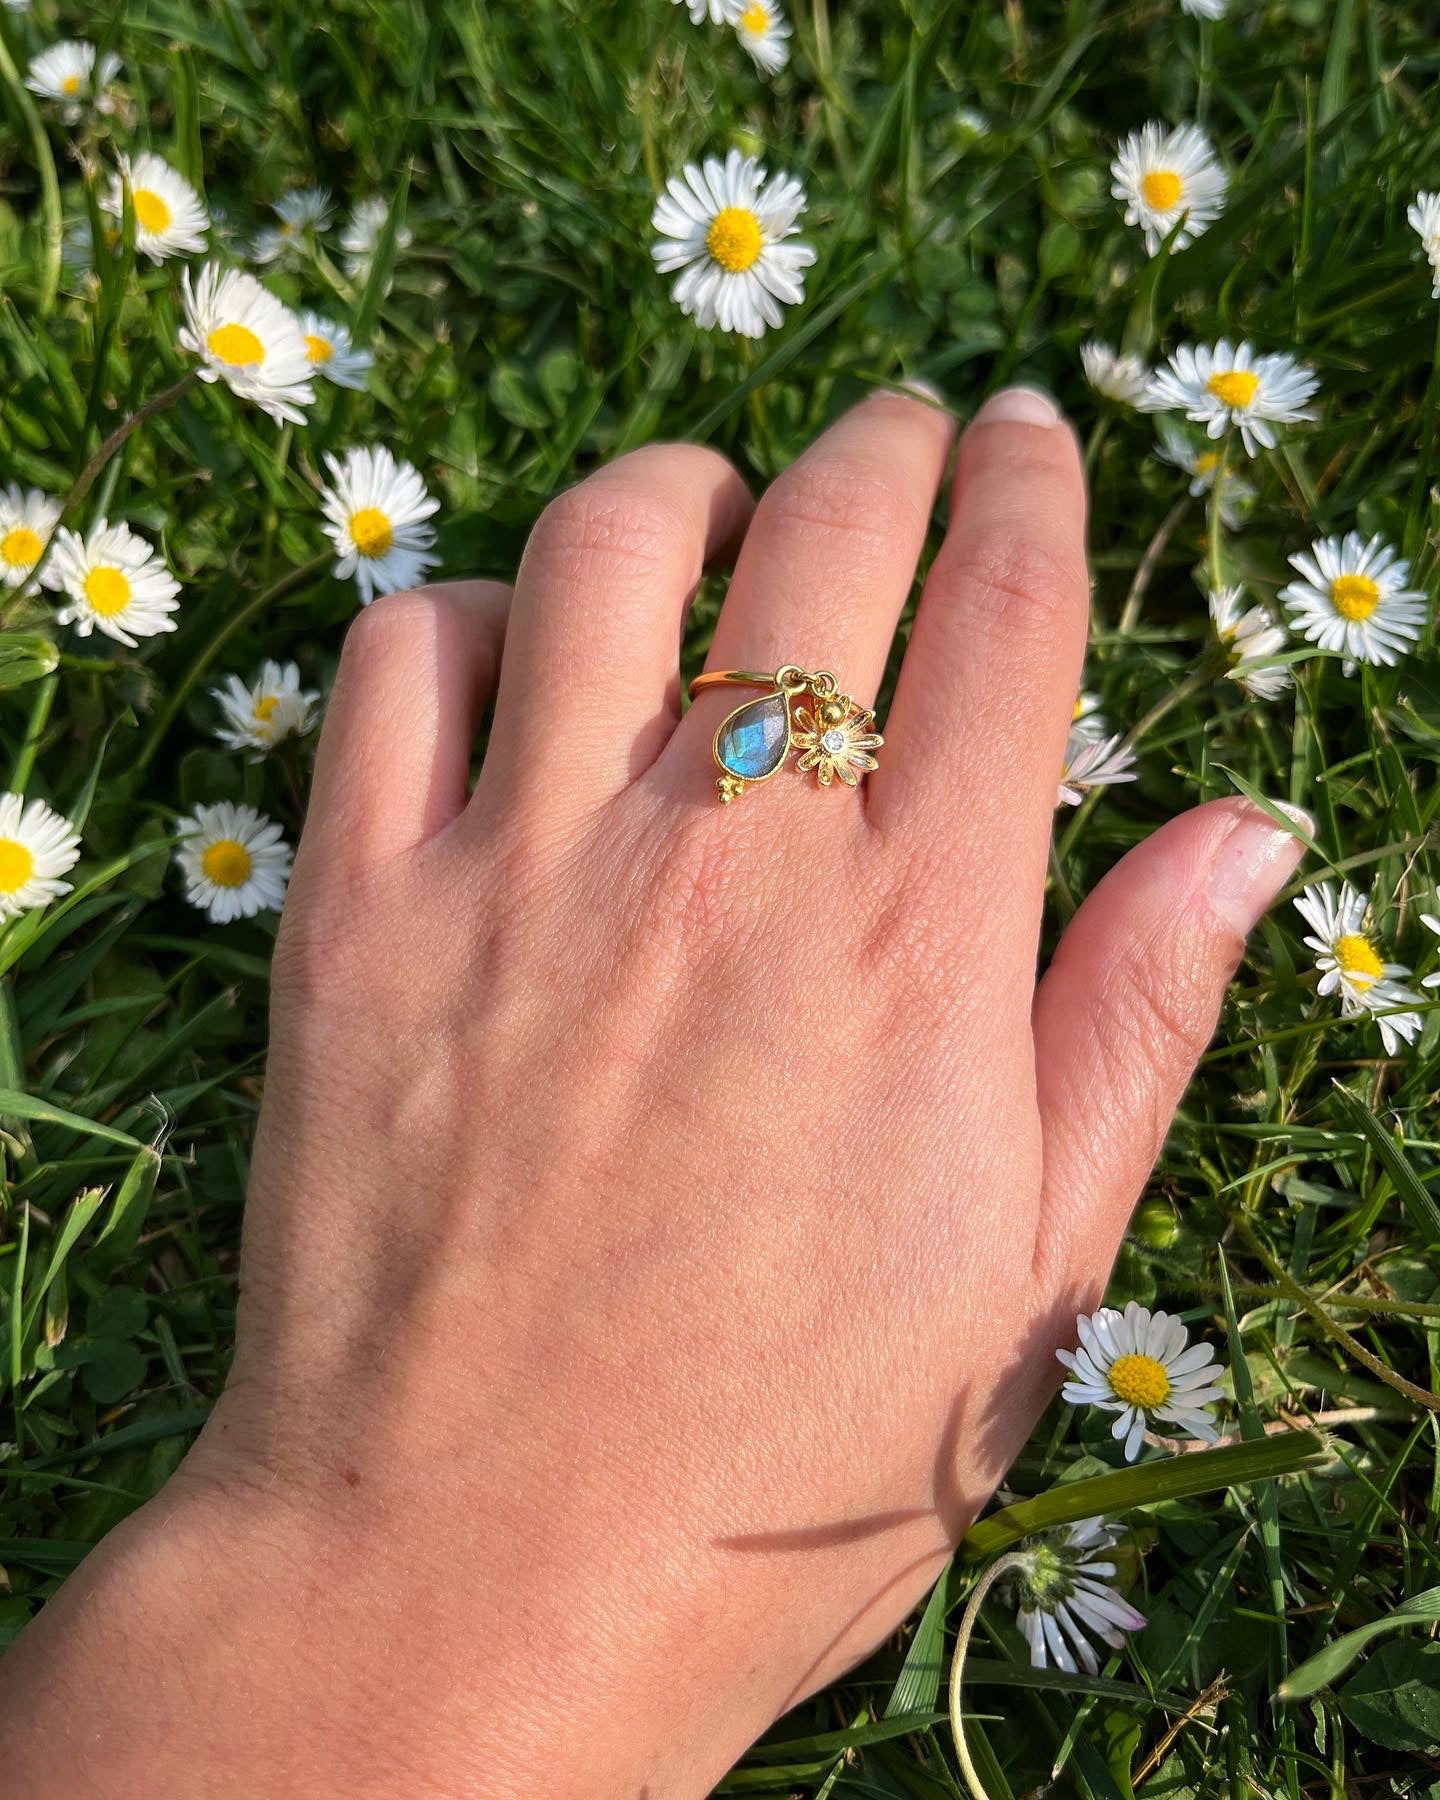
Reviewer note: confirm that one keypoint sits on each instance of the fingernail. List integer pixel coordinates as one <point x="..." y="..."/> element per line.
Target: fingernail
<point x="1018" y="406"/>
<point x="1253" y="863"/>
<point x="923" y="390"/>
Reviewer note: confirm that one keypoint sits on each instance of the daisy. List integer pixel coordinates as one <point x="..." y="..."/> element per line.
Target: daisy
<point x="115" y="583"/>
<point x="273" y="707"/>
<point x="1062" y="1587"/>
<point x="837" y="739"/>
<point x="971" y="123"/>
<point x="1087" y="721"/>
<point x="724" y="229"/>
<point x="27" y="517"/>
<point x="1424" y="218"/>
<point x="1252" y="640"/>
<point x="1117" y="377"/>
<point x="169" y="217"/>
<point x="1165" y="176"/>
<point x="248" y="340"/>
<point x="1221" y="387"/>
<point x="1353" y="599"/>
<point x="234" y="860"/>
<point x="717" y="11"/>
<point x="1136" y="1364"/>
<point x="37" y="846"/>
<point x="300" y="211"/>
<point x="331" y="352"/>
<point x="361" y="237"/>
<point x="1349" y="963"/>
<point x="762" y="29"/>
<point x="1433" y="924"/>
<point x="67" y="74"/>
<point x="375" y="512"/>
<point x="1202" y="466"/>
<point x="1205" y="9"/>
<point x="1092" y="762"/>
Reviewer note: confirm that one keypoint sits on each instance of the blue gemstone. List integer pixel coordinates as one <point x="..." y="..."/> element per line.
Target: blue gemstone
<point x="753" y="740"/>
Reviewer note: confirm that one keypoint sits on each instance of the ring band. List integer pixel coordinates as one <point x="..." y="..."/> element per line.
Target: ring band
<point x="836" y="739"/>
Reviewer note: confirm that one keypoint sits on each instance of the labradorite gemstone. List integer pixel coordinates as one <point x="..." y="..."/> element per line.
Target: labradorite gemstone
<point x="753" y="740"/>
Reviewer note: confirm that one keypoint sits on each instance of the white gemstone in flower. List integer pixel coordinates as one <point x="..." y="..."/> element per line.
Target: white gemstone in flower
<point x="833" y="741"/>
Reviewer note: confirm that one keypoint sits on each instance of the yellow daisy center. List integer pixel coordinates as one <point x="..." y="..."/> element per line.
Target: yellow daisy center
<point x="151" y="211"/>
<point x="265" y="708"/>
<point x="754" y="20"/>
<point x="20" y="547"/>
<point x="236" y="345"/>
<point x="1079" y="708"/>
<point x="1140" y="1381"/>
<point x="17" y="865"/>
<point x="372" y="531"/>
<point x="1354" y="596"/>
<point x="735" y="239"/>
<point x="318" y="349"/>
<point x="108" y="590"/>
<point x="1162" y="189"/>
<point x="1233" y="387"/>
<point x="70" y="85"/>
<point x="1356" y="955"/>
<point x="1206" y="461"/>
<point x="227" y="863"/>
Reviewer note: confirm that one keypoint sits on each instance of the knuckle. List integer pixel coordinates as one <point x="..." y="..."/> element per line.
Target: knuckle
<point x="843" y="495"/>
<point x="604" y="528"/>
<point x="1013" y="580"/>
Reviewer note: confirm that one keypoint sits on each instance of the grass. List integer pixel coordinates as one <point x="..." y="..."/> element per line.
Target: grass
<point x="525" y="338"/>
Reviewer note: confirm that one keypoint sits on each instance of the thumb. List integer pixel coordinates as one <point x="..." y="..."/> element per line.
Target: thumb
<point x="1129" y="1003"/>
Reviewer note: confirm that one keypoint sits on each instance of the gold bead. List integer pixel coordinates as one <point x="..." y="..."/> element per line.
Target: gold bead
<point x="832" y="712"/>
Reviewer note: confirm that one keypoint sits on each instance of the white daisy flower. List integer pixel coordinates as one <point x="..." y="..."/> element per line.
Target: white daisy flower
<point x="331" y="352"/>
<point x="1353" y="599"/>
<point x="1431" y="923"/>
<point x="725" y="229"/>
<point x="27" y="518"/>
<point x="1201" y="466"/>
<point x="67" y="74"/>
<point x="169" y="217"/>
<point x="273" y="707"/>
<point x="1117" y="377"/>
<point x="37" y="846"/>
<point x="234" y="860"/>
<point x="361" y="237"/>
<point x="717" y="11"/>
<point x="1221" y="387"/>
<point x="1424" y="218"/>
<point x="763" y="30"/>
<point x="972" y="122"/>
<point x="1205" y="9"/>
<point x="248" y="340"/>
<point x="301" y="211"/>
<point x="1164" y="176"/>
<point x="1090" y="763"/>
<point x="1137" y="1364"/>
<point x="1087" y="721"/>
<point x="115" y="584"/>
<point x="1253" y="640"/>
<point x="1350" y="965"/>
<point x="375" y="513"/>
<point x="1064" y="1588"/>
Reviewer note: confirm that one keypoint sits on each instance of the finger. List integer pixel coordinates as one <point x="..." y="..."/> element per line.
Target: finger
<point x="589" y="694"/>
<point x="830" y="558"/>
<point x="993" y="662"/>
<point x="393" y="765"/>
<point x="1129" y="1003"/>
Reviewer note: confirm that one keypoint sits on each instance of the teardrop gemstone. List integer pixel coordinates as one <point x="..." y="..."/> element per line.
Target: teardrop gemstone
<point x="753" y="740"/>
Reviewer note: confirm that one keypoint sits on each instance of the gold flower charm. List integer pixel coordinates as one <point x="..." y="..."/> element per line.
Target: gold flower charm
<point x="835" y="740"/>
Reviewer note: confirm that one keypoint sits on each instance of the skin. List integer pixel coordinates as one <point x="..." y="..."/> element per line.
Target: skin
<point x="663" y="1215"/>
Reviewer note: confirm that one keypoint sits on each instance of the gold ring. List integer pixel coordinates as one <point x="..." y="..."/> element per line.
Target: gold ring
<point x="835" y="739"/>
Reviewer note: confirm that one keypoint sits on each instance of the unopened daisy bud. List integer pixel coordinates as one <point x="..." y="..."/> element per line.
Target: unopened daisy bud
<point x="247" y="339"/>
<point x="375" y="515"/>
<point x="37" y="846"/>
<point x="1166" y="176"/>
<point x="1141" y="1366"/>
<point x="234" y="861"/>
<point x="1063" y="1590"/>
<point x="1205" y="9"/>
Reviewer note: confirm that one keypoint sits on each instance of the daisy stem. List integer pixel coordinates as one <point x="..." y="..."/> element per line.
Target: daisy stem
<point x="168" y="713"/>
<point x="1154" y="550"/>
<point x="53" y="233"/>
<point x="1217" y="580"/>
<point x="982" y="1587"/>
<point x="35" y="730"/>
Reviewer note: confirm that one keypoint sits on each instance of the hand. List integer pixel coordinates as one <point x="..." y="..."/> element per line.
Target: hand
<point x="663" y="1215"/>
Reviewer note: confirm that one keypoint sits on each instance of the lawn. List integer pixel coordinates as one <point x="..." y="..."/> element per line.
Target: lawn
<point x="956" y="160"/>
